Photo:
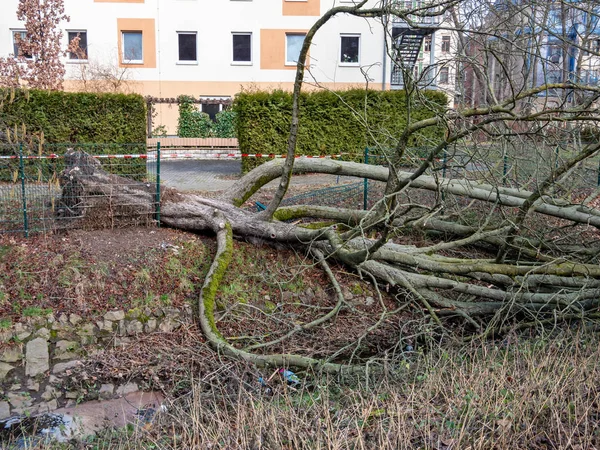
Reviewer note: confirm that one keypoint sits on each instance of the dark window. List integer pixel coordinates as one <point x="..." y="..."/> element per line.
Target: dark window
<point x="444" y="77"/>
<point x="427" y="44"/>
<point x="19" y="36"/>
<point x="81" y="52"/>
<point x="242" y="47"/>
<point x="212" y="110"/>
<point x="350" y="49"/>
<point x="445" y="44"/>
<point x="187" y="47"/>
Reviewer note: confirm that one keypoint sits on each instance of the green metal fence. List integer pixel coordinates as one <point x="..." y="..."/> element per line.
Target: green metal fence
<point x="36" y="194"/>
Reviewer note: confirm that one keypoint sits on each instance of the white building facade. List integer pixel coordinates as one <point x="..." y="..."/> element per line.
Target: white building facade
<point x="166" y="48"/>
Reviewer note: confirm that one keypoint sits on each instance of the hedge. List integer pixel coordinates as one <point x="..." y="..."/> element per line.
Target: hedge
<point x="328" y="125"/>
<point x="79" y="117"/>
<point x="112" y="122"/>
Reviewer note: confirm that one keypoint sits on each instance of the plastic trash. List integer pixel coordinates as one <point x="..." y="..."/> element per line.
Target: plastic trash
<point x="290" y="377"/>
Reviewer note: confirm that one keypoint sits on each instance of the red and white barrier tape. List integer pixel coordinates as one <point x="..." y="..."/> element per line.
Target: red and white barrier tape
<point x="54" y="156"/>
<point x="177" y="156"/>
<point x="271" y="155"/>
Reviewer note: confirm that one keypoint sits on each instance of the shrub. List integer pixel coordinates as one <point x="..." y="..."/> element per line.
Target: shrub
<point x="332" y="123"/>
<point x="225" y="124"/>
<point x="78" y="117"/>
<point x="95" y="123"/>
<point x="192" y="123"/>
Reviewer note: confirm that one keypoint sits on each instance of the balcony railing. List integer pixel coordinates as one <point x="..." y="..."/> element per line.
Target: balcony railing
<point x="428" y="21"/>
<point x="427" y="79"/>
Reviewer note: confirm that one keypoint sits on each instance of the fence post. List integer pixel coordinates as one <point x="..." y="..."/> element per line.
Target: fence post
<point x="158" y="183"/>
<point x="366" y="182"/>
<point x="22" y="175"/>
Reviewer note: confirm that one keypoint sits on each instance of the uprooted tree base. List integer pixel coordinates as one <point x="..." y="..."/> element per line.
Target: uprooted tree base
<point x="537" y="281"/>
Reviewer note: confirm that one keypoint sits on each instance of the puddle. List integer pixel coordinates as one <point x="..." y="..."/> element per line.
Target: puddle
<point x="79" y="421"/>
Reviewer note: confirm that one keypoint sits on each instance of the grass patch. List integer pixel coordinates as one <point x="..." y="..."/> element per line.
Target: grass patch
<point x="521" y="393"/>
<point x="34" y="311"/>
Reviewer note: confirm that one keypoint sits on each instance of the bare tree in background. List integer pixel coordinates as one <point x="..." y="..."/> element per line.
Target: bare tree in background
<point x="506" y="195"/>
<point x="37" y="62"/>
<point x="99" y="76"/>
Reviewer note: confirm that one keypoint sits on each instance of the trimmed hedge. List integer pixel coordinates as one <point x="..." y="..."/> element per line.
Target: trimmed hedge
<point x="328" y="125"/>
<point x="112" y="122"/>
<point x="79" y="117"/>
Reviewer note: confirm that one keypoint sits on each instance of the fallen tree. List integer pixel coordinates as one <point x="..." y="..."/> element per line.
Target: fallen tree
<point x="502" y="244"/>
<point x="534" y="284"/>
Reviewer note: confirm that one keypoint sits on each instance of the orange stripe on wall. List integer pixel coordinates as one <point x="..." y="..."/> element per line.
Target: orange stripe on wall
<point x="301" y="8"/>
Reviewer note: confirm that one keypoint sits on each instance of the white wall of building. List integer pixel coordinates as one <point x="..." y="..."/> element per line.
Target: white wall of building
<point x="215" y="73"/>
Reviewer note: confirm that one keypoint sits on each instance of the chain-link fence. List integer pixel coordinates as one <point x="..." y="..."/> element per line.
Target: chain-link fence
<point x="116" y="185"/>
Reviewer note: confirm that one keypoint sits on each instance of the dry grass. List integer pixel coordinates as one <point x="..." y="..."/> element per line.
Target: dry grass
<point x="538" y="393"/>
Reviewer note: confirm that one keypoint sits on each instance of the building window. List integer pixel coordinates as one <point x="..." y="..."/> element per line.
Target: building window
<point x="444" y="75"/>
<point x="350" y="49"/>
<point x="213" y="106"/>
<point x="187" y="47"/>
<point x="554" y="53"/>
<point x="132" y="47"/>
<point x="242" y="47"/>
<point x="427" y="44"/>
<point x="293" y="45"/>
<point x="19" y="36"/>
<point x="445" y="44"/>
<point x="81" y="50"/>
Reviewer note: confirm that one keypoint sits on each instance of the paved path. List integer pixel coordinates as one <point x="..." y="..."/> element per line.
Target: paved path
<point x="217" y="175"/>
<point x="198" y="175"/>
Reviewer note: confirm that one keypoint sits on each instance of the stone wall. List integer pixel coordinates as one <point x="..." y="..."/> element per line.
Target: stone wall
<point x="38" y="355"/>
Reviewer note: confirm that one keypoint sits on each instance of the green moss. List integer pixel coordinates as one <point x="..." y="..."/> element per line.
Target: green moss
<point x="144" y="318"/>
<point x="290" y="213"/>
<point x="5" y="323"/>
<point x="317" y="225"/>
<point x="357" y="289"/>
<point x="270" y="306"/>
<point x="209" y="291"/>
<point x="255" y="187"/>
<point x="133" y="314"/>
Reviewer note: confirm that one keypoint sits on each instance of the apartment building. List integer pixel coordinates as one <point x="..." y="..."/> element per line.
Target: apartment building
<point x="166" y="48"/>
<point x="532" y="44"/>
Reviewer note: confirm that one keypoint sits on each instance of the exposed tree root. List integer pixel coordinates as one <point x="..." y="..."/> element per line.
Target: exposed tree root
<point x="206" y="312"/>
